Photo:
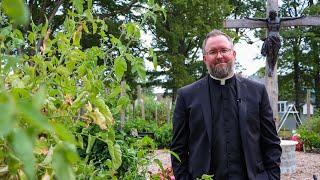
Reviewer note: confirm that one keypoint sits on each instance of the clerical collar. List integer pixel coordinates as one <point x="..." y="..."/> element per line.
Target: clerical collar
<point x="223" y="80"/>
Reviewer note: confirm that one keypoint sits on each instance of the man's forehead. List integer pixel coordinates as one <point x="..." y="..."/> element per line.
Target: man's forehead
<point x="218" y="37"/>
<point x="213" y="40"/>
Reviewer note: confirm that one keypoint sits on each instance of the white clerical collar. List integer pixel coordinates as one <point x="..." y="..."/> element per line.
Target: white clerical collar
<point x="223" y="80"/>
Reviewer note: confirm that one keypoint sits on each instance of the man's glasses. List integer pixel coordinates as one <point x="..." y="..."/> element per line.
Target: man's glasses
<point x="223" y="52"/>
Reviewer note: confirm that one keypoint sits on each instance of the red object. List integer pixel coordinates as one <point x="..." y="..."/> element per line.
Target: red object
<point x="299" y="146"/>
<point x="168" y="174"/>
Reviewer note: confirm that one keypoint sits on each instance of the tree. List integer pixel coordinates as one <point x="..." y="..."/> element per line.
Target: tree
<point x="178" y="39"/>
<point x="298" y="63"/>
<point x="313" y="40"/>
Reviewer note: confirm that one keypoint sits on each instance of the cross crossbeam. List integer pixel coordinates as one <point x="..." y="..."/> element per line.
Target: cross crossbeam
<point x="248" y="23"/>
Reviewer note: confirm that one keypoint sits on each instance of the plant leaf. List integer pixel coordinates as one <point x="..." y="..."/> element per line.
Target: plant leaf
<point x="159" y="163"/>
<point x="155" y="61"/>
<point x="23" y="147"/>
<point x="115" y="153"/>
<point x="63" y="133"/>
<point x="120" y="66"/>
<point x="7" y="112"/>
<point x="33" y="115"/>
<point x="99" y="119"/>
<point x="78" y="4"/>
<point x="16" y="10"/>
<point x="62" y="169"/>
<point x="104" y="109"/>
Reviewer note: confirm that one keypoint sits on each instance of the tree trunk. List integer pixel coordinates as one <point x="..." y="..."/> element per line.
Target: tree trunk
<point x="316" y="72"/>
<point x="311" y="2"/>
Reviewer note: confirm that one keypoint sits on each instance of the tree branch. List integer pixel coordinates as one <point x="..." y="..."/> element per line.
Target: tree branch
<point x="123" y="10"/>
<point x="53" y="13"/>
<point x="41" y="42"/>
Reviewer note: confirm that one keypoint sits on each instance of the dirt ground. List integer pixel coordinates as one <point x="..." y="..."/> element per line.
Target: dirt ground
<point x="308" y="164"/>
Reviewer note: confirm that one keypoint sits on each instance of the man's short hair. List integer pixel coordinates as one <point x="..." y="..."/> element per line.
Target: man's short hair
<point x="214" y="33"/>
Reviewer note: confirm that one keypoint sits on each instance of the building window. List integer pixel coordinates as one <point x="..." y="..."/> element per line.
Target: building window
<point x="282" y="106"/>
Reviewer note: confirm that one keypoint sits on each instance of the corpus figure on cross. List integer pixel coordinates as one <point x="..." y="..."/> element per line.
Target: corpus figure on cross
<point x="272" y="43"/>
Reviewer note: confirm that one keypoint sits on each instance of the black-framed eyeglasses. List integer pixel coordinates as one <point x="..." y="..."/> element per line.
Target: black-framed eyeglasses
<point x="223" y="52"/>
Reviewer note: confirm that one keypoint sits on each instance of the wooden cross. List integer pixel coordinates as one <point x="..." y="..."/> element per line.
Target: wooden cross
<point x="271" y="77"/>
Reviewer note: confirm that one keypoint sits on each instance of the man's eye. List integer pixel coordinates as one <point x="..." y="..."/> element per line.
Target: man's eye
<point x="224" y="50"/>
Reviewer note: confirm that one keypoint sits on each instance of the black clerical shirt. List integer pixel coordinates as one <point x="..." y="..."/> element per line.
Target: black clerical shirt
<point x="227" y="155"/>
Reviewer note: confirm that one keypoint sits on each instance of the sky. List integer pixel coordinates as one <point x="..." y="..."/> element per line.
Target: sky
<point x="247" y="53"/>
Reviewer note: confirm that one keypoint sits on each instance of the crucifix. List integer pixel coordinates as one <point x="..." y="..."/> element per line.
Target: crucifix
<point x="272" y="43"/>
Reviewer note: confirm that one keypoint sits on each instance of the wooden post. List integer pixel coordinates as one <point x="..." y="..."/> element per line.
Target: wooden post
<point x="272" y="89"/>
<point x="272" y="82"/>
<point x="141" y="102"/>
<point x="308" y="103"/>
<point x="156" y="113"/>
<point x="122" y="111"/>
<point x="168" y="108"/>
<point x="129" y="112"/>
<point x="272" y="5"/>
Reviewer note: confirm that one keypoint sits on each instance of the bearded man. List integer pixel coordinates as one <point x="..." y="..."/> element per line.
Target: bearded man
<point x="223" y="124"/>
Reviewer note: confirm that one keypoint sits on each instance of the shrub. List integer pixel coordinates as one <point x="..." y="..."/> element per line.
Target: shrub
<point x="310" y="132"/>
<point x="163" y="136"/>
<point x="285" y="134"/>
<point x="162" y="133"/>
<point x="140" y="125"/>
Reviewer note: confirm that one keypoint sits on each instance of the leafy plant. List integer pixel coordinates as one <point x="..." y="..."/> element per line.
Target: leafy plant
<point x="285" y="134"/>
<point x="310" y="132"/>
<point x="56" y="116"/>
<point x="140" y="125"/>
<point x="163" y="136"/>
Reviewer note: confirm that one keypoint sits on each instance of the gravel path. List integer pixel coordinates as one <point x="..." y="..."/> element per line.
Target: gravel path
<point x="308" y="164"/>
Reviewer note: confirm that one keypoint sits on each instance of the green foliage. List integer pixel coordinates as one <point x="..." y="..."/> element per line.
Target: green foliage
<point x="145" y="143"/>
<point x="298" y="62"/>
<point x="163" y="135"/>
<point x="310" y="132"/>
<point x="16" y="10"/>
<point x="285" y="134"/>
<point x="55" y="97"/>
<point x="120" y="66"/>
<point x="22" y="146"/>
<point x="140" y="125"/>
<point x="179" y="37"/>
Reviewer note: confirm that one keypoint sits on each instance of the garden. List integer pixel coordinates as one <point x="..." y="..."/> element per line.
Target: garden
<point x="77" y="79"/>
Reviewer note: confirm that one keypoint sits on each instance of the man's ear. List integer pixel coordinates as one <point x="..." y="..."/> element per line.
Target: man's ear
<point x="204" y="58"/>
<point x="234" y="54"/>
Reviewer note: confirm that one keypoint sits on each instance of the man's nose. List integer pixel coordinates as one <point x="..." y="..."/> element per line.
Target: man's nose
<point x="219" y="54"/>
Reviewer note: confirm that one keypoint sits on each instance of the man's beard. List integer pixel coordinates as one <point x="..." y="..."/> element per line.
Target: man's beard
<point x="221" y="71"/>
